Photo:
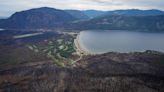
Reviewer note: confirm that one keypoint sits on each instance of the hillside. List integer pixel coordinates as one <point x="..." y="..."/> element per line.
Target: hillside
<point x="127" y="12"/>
<point x="109" y="22"/>
<point x="50" y="18"/>
<point x="46" y="63"/>
<point x="93" y="13"/>
<point x="77" y="14"/>
<point x="114" y="72"/>
<point x="37" y="18"/>
<point x="135" y="12"/>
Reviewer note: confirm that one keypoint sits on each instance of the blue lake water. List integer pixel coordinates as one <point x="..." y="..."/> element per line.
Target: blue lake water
<point x="1" y="29"/>
<point x="120" y="41"/>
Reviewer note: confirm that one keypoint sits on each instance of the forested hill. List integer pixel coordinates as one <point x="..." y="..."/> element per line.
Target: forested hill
<point x="37" y="18"/>
<point x="115" y="22"/>
<point x="50" y="18"/>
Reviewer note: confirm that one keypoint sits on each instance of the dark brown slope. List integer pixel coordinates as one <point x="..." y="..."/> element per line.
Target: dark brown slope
<point x="111" y="72"/>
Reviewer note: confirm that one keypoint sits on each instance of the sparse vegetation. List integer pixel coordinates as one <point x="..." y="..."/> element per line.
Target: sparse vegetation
<point x="59" y="50"/>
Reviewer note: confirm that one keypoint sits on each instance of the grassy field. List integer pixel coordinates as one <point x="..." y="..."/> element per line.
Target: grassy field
<point x="59" y="50"/>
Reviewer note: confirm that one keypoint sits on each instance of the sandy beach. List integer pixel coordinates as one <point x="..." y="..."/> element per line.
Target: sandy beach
<point x="79" y="49"/>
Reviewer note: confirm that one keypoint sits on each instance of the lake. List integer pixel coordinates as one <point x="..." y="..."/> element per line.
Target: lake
<point x="120" y="41"/>
<point x="1" y="29"/>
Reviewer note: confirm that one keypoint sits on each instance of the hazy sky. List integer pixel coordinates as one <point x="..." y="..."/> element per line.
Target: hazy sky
<point x="8" y="7"/>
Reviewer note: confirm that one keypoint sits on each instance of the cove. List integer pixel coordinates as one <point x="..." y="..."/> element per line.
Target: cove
<point x="101" y="41"/>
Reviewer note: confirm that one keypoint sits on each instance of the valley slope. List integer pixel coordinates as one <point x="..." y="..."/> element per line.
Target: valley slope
<point x="117" y="22"/>
<point x="37" y="18"/>
<point x="50" y="18"/>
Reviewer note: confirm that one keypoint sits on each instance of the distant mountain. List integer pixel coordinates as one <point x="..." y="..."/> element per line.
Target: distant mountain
<point x="37" y="18"/>
<point x="50" y="18"/>
<point x="94" y="13"/>
<point x="77" y="14"/>
<point x="135" y="12"/>
<point x="1" y="22"/>
<point x="142" y="23"/>
<point x="1" y="17"/>
<point x="128" y="12"/>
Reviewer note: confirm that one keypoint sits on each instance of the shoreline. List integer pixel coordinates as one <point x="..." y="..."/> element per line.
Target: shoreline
<point x="79" y="49"/>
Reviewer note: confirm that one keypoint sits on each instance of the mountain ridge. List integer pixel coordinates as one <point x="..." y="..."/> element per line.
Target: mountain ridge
<point x="51" y="18"/>
<point x="117" y="22"/>
<point x="135" y="12"/>
<point x="78" y="14"/>
<point x="43" y="17"/>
